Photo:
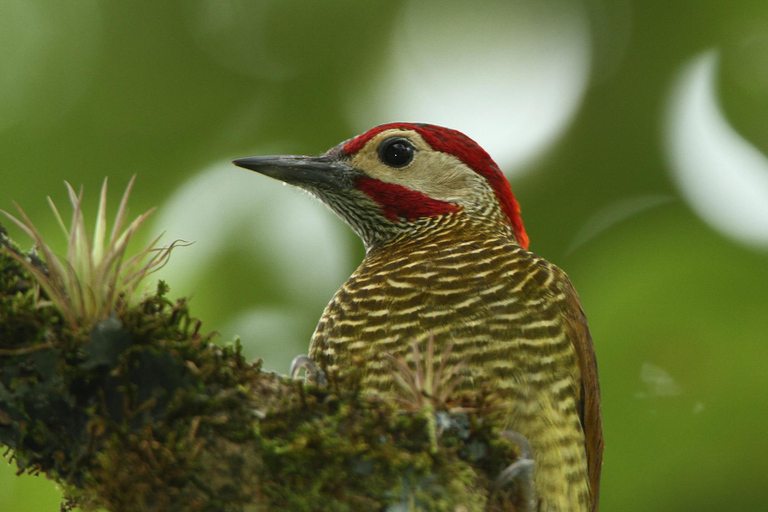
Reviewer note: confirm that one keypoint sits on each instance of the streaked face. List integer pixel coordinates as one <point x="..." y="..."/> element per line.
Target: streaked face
<point x="402" y="157"/>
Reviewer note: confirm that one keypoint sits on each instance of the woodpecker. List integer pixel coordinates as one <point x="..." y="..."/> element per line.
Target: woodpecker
<point x="446" y="258"/>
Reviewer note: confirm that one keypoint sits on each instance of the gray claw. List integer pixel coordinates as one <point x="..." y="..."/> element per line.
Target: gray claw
<point x="520" y="473"/>
<point x="312" y="372"/>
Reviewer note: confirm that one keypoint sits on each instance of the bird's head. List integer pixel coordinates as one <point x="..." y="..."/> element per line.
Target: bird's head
<point x="398" y="177"/>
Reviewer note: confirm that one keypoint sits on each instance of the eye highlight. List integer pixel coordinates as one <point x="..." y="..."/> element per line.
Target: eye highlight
<point x="396" y="152"/>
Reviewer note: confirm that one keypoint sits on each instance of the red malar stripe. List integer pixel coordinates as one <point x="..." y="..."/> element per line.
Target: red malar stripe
<point x="398" y="202"/>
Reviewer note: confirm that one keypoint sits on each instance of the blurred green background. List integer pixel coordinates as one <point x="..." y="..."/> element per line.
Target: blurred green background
<point x="634" y="135"/>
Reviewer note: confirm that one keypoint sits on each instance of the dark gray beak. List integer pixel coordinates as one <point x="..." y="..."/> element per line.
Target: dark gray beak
<point x="303" y="171"/>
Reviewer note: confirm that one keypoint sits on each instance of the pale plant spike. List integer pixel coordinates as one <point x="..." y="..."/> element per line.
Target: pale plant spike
<point x="411" y="398"/>
<point x="109" y="296"/>
<point x="125" y="236"/>
<point x="53" y="292"/>
<point x="401" y="367"/>
<point x="122" y="268"/>
<point x="109" y="274"/>
<point x="429" y="384"/>
<point x="449" y="376"/>
<point x="453" y="371"/>
<point x="78" y="250"/>
<point x="104" y="269"/>
<point x="158" y="261"/>
<point x="167" y="254"/>
<point x="404" y="377"/>
<point x="100" y="229"/>
<point x="133" y="268"/>
<point x="131" y="281"/>
<point x="135" y="260"/>
<point x="83" y="263"/>
<point x="122" y="213"/>
<point x="419" y="372"/>
<point x="27" y="226"/>
<point x="440" y="372"/>
<point x="55" y="268"/>
<point x="122" y="244"/>
<point x="104" y="273"/>
<point x="409" y="376"/>
<point x="71" y="255"/>
<point x="77" y="215"/>
<point x="138" y="221"/>
<point x="31" y="232"/>
<point x="441" y="383"/>
<point x="59" y="219"/>
<point x="111" y="263"/>
<point x="74" y="290"/>
<point x="110" y="259"/>
<point x="93" y="302"/>
<point x="53" y="283"/>
<point x="411" y="404"/>
<point x="443" y="360"/>
<point x="451" y="381"/>
<point x="115" y="262"/>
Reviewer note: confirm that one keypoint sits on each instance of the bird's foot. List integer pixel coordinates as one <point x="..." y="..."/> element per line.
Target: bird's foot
<point x="312" y="372"/>
<point x="520" y="473"/>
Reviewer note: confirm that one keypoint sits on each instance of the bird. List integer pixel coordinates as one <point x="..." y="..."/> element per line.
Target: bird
<point x="446" y="258"/>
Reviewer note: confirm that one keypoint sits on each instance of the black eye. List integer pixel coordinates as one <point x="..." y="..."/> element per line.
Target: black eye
<point x="396" y="152"/>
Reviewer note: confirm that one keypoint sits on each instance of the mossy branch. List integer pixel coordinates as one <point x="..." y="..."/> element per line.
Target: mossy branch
<point x="141" y="411"/>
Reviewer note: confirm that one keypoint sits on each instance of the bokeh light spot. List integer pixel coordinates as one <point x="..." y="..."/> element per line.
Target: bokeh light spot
<point x="509" y="74"/>
<point x="721" y="175"/>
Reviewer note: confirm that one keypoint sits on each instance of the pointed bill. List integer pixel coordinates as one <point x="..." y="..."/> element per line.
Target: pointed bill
<point x="302" y="171"/>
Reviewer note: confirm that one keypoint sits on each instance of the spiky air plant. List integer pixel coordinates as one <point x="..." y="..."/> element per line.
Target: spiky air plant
<point x="422" y="388"/>
<point x="96" y="274"/>
<point x="422" y="385"/>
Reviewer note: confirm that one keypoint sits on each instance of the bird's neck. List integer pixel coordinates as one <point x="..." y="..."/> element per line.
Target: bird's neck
<point x="446" y="232"/>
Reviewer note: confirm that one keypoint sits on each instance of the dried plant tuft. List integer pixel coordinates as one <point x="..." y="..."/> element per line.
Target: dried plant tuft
<point x="422" y="385"/>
